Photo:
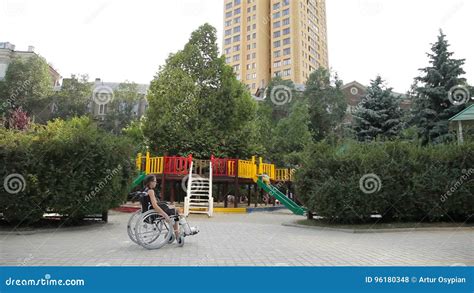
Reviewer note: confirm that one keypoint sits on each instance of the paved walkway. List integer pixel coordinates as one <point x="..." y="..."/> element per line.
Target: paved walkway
<point x="256" y="239"/>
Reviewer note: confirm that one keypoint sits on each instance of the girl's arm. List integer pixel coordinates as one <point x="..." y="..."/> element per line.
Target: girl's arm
<point x="154" y="203"/>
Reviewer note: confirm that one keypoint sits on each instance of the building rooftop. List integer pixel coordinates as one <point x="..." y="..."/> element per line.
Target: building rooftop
<point x="465" y="115"/>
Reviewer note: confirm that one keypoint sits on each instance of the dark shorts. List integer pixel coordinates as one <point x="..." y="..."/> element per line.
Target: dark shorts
<point x="167" y="210"/>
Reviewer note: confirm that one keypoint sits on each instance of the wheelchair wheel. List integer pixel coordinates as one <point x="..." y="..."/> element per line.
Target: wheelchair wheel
<point x="132" y="224"/>
<point x="172" y="238"/>
<point x="152" y="231"/>
<point x="181" y="240"/>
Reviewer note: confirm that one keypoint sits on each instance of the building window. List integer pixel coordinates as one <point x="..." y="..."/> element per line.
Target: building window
<point x="286" y="31"/>
<point x="276" y="24"/>
<point x="276" y="44"/>
<point x="286" y="62"/>
<point x="286" y="21"/>
<point x="287" y="51"/>
<point x="276" y="34"/>
<point x="102" y="109"/>
<point x="287" y="41"/>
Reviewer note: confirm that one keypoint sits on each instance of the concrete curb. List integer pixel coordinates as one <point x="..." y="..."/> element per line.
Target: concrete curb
<point x="361" y="231"/>
<point x="23" y="231"/>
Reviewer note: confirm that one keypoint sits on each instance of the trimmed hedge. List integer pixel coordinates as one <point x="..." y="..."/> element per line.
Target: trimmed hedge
<point x="69" y="167"/>
<point x="434" y="183"/>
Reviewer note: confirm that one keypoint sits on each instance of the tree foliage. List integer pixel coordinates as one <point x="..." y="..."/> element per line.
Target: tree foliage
<point x="196" y="104"/>
<point x="28" y="84"/>
<point x="73" y="99"/>
<point x="432" y="107"/>
<point x="327" y="104"/>
<point x="379" y="113"/>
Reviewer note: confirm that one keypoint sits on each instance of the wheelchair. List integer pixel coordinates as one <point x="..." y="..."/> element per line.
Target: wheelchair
<point x="152" y="231"/>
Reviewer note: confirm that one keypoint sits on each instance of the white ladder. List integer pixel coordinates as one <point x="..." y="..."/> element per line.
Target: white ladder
<point x="199" y="198"/>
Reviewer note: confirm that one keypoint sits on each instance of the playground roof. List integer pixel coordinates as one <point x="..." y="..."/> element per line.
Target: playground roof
<point x="467" y="114"/>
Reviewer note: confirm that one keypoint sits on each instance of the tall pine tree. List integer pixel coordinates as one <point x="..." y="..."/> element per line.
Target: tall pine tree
<point x="432" y="108"/>
<point x="379" y="113"/>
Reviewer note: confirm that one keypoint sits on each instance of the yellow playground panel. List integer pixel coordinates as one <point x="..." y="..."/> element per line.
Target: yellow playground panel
<point x="247" y="169"/>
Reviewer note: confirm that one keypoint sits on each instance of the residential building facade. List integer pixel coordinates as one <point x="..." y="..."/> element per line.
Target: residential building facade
<point x="8" y="52"/>
<point x="268" y="38"/>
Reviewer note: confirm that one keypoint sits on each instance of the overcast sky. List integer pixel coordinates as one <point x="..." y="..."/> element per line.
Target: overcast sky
<point x="128" y="40"/>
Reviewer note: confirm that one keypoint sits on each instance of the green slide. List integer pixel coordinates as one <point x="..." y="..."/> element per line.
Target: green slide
<point x="138" y="180"/>
<point x="273" y="191"/>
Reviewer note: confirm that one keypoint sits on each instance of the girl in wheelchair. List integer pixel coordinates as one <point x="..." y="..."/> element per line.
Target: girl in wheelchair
<point x="149" y="201"/>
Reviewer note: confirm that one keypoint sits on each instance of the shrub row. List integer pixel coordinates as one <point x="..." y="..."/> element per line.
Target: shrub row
<point x="67" y="167"/>
<point x="406" y="182"/>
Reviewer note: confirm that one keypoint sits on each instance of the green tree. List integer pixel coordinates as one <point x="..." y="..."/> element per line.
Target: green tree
<point x="292" y="135"/>
<point x="73" y="98"/>
<point x="279" y="97"/>
<point x="121" y="109"/>
<point x="28" y="84"/>
<point x="327" y="104"/>
<point x="432" y="106"/>
<point x="378" y="114"/>
<point x="196" y="104"/>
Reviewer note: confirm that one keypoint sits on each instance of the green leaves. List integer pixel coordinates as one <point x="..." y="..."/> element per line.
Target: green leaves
<point x="196" y="104"/>
<point x="70" y="167"/>
<point x="379" y="114"/>
<point x="414" y="181"/>
<point x="432" y="107"/>
<point x="327" y="104"/>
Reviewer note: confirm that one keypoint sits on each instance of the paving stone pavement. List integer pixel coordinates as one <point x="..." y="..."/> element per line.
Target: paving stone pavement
<point x="256" y="239"/>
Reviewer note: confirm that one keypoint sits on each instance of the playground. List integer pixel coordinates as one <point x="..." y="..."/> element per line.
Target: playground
<point x="220" y="184"/>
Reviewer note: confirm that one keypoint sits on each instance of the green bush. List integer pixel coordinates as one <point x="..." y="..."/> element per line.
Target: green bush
<point x="70" y="167"/>
<point x="414" y="181"/>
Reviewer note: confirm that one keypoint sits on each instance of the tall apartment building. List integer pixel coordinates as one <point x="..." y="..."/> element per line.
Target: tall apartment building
<point x="268" y="38"/>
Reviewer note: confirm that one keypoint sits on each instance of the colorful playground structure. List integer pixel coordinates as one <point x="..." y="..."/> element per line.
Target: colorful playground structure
<point x="198" y="177"/>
